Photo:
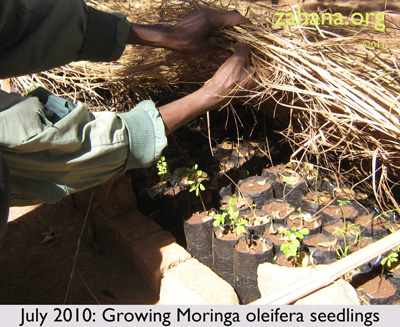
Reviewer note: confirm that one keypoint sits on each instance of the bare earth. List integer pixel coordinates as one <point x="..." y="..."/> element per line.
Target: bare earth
<point x="36" y="273"/>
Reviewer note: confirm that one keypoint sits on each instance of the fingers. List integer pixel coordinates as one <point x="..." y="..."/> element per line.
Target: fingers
<point x="242" y="53"/>
<point x="233" y="18"/>
<point x="242" y="50"/>
<point x="218" y="19"/>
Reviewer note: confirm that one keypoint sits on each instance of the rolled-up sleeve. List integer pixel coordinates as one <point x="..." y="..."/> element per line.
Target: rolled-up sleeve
<point x="146" y="132"/>
<point x="49" y="160"/>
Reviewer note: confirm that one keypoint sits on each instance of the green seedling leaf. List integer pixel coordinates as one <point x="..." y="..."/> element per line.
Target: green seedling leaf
<point x="163" y="170"/>
<point x="389" y="259"/>
<point x="219" y="219"/>
<point x="232" y="202"/>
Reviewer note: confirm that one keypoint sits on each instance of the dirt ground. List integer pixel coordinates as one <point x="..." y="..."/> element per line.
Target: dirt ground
<point x="32" y="272"/>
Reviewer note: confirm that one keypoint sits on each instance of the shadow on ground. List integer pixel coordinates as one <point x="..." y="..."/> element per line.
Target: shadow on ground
<point x="35" y="273"/>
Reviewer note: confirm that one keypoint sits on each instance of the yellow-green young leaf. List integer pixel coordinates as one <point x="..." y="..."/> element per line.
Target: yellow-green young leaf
<point x="202" y="187"/>
<point x="305" y="231"/>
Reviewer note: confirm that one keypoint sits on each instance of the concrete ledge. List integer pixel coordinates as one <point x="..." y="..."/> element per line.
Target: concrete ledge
<point x="128" y="227"/>
<point x="164" y="265"/>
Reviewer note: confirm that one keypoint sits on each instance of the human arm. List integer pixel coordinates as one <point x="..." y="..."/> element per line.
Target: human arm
<point x="234" y="72"/>
<point x="191" y="35"/>
<point x="37" y="35"/>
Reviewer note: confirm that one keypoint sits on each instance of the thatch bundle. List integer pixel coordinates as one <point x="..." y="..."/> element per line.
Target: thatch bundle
<point x="342" y="100"/>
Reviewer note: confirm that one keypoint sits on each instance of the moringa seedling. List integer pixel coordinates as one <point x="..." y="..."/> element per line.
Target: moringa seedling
<point x="387" y="260"/>
<point x="236" y="222"/>
<point x="163" y="170"/>
<point x="342" y="204"/>
<point x="293" y="239"/>
<point x="195" y="177"/>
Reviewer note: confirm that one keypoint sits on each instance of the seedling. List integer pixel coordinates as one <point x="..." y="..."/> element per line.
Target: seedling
<point x="219" y="219"/>
<point x="347" y="230"/>
<point x="195" y="177"/>
<point x="303" y="217"/>
<point x="163" y="170"/>
<point x="387" y="260"/>
<point x="292" y="243"/>
<point x="342" y="204"/>
<point x="236" y="223"/>
<point x="382" y="217"/>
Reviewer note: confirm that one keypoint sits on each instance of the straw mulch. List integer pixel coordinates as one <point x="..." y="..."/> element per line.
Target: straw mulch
<point x="340" y="101"/>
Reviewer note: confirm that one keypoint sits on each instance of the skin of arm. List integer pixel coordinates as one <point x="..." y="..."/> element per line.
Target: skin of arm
<point x="235" y="71"/>
<point x="194" y="35"/>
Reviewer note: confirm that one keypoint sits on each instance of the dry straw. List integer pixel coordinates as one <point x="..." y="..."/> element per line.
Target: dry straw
<point x="341" y="100"/>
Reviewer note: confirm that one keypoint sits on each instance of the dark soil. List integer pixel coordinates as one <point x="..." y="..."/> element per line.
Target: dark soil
<point x="283" y="261"/>
<point x="337" y="229"/>
<point x="322" y="243"/>
<point x="228" y="236"/>
<point x="337" y="211"/>
<point x="297" y="222"/>
<point x="256" y="246"/>
<point x="373" y="285"/>
<point x="321" y="199"/>
<point x="199" y="217"/>
<point x="278" y="210"/>
<point x="251" y="187"/>
<point x="275" y="238"/>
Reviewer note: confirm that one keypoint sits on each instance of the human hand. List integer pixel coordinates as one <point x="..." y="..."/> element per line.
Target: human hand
<point x="233" y="75"/>
<point x="236" y="71"/>
<point x="192" y="35"/>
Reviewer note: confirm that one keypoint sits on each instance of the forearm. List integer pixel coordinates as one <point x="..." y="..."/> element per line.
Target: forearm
<point x="151" y="35"/>
<point x="232" y="74"/>
<point x="179" y="112"/>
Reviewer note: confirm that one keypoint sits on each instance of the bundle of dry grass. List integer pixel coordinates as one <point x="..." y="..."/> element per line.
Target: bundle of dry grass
<point x="342" y="99"/>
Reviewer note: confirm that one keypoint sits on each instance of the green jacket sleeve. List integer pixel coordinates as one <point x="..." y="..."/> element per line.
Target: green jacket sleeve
<point x="37" y="35"/>
<point x="50" y="158"/>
